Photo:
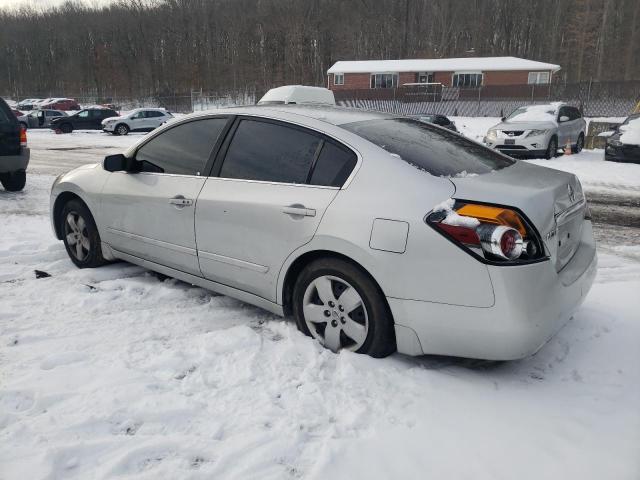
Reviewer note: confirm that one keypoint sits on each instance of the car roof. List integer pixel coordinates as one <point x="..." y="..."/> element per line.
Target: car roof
<point x="326" y="113"/>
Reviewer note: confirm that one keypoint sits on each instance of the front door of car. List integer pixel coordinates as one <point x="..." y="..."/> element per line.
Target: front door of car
<point x="82" y="120"/>
<point x="150" y="214"/>
<point x="565" y="128"/>
<point x="137" y="121"/>
<point x="272" y="188"/>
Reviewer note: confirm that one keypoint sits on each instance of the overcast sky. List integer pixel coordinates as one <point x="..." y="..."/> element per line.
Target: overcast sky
<point x="8" y="4"/>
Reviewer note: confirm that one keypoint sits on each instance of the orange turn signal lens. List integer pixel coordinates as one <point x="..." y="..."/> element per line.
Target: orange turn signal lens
<point x="495" y="215"/>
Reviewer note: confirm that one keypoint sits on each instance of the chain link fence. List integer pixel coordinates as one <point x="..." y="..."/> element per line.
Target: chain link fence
<point x="594" y="99"/>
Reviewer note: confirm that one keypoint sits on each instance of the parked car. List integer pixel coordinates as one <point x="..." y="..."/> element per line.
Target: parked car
<point x="27" y="104"/>
<point x="624" y="144"/>
<point x="538" y="131"/>
<point x="40" y="118"/>
<point x="14" y="153"/>
<point x="64" y="104"/>
<point x="87" y="119"/>
<point x="281" y="207"/>
<point x="435" y="119"/>
<point x="298" y="94"/>
<point x="138" y="120"/>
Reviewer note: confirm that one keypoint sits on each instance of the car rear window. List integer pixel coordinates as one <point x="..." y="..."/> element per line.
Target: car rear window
<point x="437" y="151"/>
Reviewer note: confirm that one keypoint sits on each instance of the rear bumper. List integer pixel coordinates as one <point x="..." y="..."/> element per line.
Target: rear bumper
<point x="614" y="154"/>
<point x="532" y="302"/>
<point x="13" y="163"/>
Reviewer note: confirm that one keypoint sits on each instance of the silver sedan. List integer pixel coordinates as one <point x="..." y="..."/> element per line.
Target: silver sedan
<point x="375" y="232"/>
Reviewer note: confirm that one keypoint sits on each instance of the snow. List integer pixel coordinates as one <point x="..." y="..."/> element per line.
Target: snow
<point x="534" y="113"/>
<point x="117" y="372"/>
<point x="478" y="64"/>
<point x="631" y="132"/>
<point x="453" y="218"/>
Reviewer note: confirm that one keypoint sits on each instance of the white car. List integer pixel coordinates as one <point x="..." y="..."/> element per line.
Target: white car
<point x="138" y="120"/>
<point x="298" y="95"/>
<point x="538" y="131"/>
<point x="363" y="226"/>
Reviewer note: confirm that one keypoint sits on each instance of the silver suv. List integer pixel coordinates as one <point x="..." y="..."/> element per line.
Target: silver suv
<point x="538" y="131"/>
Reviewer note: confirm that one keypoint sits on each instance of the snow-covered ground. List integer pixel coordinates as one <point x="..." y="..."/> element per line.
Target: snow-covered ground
<point x="119" y="373"/>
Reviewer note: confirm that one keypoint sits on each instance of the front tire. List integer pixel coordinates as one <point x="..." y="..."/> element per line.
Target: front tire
<point x="121" y="129"/>
<point x="577" y="148"/>
<point x="80" y="235"/>
<point x="66" y="128"/>
<point x="13" y="181"/>
<point x="552" y="149"/>
<point x="338" y="304"/>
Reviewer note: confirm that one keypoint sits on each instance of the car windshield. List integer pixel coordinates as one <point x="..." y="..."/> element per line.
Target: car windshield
<point x="437" y="151"/>
<point x="534" y="113"/>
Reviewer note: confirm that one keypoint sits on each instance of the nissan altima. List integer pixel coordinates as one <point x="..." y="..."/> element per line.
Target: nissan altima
<point x="377" y="233"/>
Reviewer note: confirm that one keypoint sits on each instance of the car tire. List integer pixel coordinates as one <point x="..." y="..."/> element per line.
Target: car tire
<point x="121" y="129"/>
<point x="13" y="181"/>
<point x="66" y="128"/>
<point x="577" y="148"/>
<point x="80" y="235"/>
<point x="552" y="149"/>
<point x="360" y="321"/>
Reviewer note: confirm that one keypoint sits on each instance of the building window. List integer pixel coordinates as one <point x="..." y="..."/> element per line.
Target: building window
<point x="338" y="78"/>
<point x="467" y="79"/>
<point x="384" y="80"/>
<point x="424" y="77"/>
<point x="539" y="77"/>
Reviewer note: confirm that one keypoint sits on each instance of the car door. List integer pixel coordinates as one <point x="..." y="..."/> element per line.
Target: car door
<point x="137" y="121"/>
<point x="150" y="214"/>
<point x="265" y="198"/>
<point x="154" y="119"/>
<point x="81" y="120"/>
<point x="564" y="128"/>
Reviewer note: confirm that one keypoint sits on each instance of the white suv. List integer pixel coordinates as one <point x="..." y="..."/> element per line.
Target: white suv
<point x="138" y="120"/>
<point x="538" y="131"/>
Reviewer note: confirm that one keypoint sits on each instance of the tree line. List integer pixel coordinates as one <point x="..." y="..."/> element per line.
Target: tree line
<point x="160" y="47"/>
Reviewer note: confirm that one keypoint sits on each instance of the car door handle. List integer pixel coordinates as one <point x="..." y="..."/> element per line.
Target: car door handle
<point x="299" y="210"/>
<point x="179" y="201"/>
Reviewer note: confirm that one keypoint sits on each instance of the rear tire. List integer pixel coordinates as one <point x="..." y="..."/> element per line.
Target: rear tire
<point x="13" y="181"/>
<point x="552" y="149"/>
<point x="577" y="148"/>
<point x="366" y="328"/>
<point x="80" y="235"/>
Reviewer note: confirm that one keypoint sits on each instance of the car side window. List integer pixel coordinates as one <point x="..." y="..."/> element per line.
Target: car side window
<point x="334" y="165"/>
<point x="183" y="149"/>
<point x="575" y="113"/>
<point x="270" y="152"/>
<point x="154" y="114"/>
<point x="564" y="112"/>
<point x="84" y="114"/>
<point x="137" y="115"/>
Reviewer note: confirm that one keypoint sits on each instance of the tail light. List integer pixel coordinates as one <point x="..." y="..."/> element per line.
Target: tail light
<point x="23" y="136"/>
<point x="493" y="233"/>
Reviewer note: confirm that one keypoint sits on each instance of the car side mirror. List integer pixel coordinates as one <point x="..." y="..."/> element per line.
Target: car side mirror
<point x="118" y="163"/>
<point x="564" y="118"/>
<point x="503" y="119"/>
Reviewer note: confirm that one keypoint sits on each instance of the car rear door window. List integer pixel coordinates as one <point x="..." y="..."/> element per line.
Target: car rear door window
<point x="182" y="150"/>
<point x="270" y="152"/>
<point x="334" y="165"/>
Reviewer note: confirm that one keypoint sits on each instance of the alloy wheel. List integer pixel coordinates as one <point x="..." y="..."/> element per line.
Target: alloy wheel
<point x="75" y="229"/>
<point x="335" y="313"/>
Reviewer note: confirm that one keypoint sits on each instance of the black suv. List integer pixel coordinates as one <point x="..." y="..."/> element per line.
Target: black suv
<point x="87" y="119"/>
<point x="14" y="154"/>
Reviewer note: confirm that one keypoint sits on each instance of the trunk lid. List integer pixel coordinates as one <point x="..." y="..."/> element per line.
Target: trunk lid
<point x="551" y="199"/>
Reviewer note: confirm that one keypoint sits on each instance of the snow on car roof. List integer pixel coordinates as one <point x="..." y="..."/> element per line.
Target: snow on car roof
<point x="631" y="132"/>
<point x="536" y="113"/>
<point x="441" y="65"/>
